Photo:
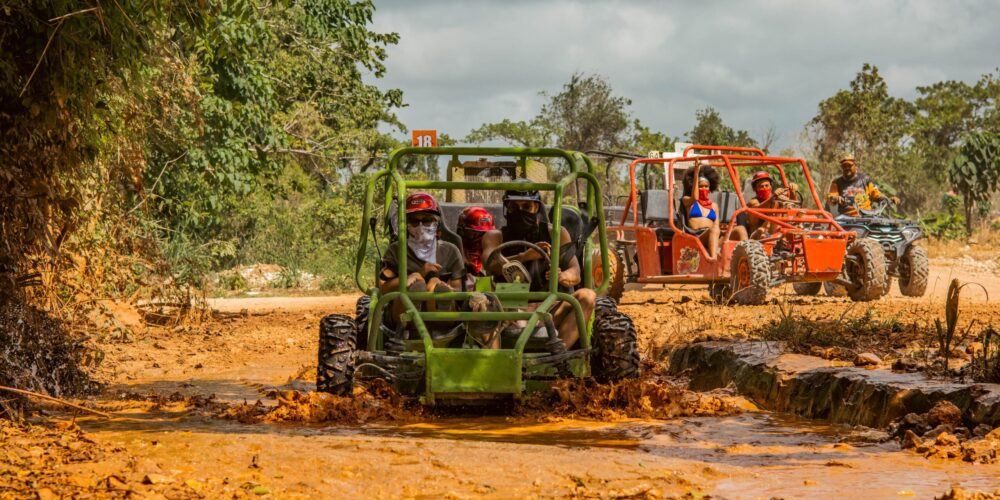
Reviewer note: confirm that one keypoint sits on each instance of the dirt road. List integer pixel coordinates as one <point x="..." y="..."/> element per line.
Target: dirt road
<point x="270" y="345"/>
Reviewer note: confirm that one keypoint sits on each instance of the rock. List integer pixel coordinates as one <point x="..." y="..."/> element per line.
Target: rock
<point x="910" y="440"/>
<point x="981" y="430"/>
<point x="944" y="412"/>
<point x="867" y="359"/>
<point x="979" y="451"/>
<point x="915" y="420"/>
<point x="906" y="365"/>
<point x="817" y="351"/>
<point x="994" y="435"/>
<point x="938" y="430"/>
<point x="946" y="439"/>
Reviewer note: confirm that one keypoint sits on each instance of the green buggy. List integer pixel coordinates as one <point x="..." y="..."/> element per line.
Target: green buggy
<point x="435" y="355"/>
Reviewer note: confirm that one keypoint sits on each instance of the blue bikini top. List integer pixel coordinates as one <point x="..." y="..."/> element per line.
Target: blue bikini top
<point x="697" y="211"/>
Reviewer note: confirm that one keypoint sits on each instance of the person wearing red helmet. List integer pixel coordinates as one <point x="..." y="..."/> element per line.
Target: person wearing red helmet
<point x="431" y="264"/>
<point x="473" y="223"/>
<point x="766" y="196"/>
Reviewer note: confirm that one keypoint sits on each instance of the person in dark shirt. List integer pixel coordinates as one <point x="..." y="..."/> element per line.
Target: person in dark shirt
<point x="431" y="264"/>
<point x="853" y="186"/>
<point x="524" y="222"/>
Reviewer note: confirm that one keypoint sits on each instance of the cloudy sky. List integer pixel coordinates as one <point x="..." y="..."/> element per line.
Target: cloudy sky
<point x="759" y="62"/>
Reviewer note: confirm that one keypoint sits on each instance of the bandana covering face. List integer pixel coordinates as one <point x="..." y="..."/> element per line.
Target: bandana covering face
<point x="522" y="220"/>
<point x="423" y="241"/>
<point x="472" y="243"/>
<point x="764" y="194"/>
<point x="703" y="198"/>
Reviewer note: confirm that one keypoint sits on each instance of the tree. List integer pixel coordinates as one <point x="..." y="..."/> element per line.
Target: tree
<point x="709" y="129"/>
<point x="975" y="173"/>
<point x="584" y="115"/>
<point x="645" y="140"/>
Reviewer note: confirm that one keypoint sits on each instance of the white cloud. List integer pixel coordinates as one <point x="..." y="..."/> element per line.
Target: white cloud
<point x="461" y="64"/>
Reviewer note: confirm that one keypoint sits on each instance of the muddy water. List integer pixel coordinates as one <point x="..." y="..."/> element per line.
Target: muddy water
<point x="748" y="456"/>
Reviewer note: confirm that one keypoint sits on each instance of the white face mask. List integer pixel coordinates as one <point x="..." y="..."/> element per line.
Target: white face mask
<point x="423" y="241"/>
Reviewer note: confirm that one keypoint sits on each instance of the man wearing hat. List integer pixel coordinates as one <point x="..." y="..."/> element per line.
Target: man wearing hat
<point x="853" y="189"/>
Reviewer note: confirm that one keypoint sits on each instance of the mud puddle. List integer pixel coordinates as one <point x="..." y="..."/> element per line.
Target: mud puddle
<point x="743" y="456"/>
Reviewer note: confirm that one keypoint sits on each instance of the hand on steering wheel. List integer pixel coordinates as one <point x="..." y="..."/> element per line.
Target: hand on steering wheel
<point x="513" y="268"/>
<point x="788" y="202"/>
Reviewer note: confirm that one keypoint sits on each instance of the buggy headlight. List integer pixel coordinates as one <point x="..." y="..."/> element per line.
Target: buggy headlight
<point x="910" y="233"/>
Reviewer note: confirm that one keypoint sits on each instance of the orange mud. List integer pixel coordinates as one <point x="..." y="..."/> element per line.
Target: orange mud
<point x="170" y="388"/>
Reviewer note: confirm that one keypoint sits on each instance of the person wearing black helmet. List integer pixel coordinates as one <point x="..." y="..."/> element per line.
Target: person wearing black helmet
<point x="525" y="221"/>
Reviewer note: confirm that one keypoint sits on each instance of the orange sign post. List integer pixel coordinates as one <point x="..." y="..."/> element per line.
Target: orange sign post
<point x="425" y="138"/>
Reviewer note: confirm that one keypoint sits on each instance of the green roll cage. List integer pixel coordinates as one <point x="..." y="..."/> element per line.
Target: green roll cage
<point x="395" y="186"/>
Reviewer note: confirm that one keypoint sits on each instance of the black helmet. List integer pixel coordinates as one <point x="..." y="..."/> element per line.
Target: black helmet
<point x="516" y="195"/>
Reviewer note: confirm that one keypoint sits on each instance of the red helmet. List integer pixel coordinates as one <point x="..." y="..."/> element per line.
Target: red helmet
<point x="422" y="202"/>
<point x="476" y="219"/>
<point x="760" y="176"/>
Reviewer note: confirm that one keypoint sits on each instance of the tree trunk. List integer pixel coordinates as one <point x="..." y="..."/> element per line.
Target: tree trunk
<point x="968" y="216"/>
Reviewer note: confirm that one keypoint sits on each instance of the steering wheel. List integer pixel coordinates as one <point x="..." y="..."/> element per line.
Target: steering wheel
<point x="785" y="202"/>
<point x="879" y="206"/>
<point x="512" y="270"/>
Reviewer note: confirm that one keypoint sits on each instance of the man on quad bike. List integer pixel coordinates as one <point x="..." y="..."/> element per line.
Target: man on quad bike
<point x="431" y="264"/>
<point x="853" y="189"/>
<point x="525" y="221"/>
<point x="765" y="196"/>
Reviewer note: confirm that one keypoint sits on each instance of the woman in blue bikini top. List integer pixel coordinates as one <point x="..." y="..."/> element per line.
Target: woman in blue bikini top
<point x="701" y="211"/>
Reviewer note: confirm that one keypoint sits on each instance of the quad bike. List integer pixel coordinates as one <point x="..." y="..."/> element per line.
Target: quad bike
<point x="440" y="356"/>
<point x="804" y="246"/>
<point x="904" y="259"/>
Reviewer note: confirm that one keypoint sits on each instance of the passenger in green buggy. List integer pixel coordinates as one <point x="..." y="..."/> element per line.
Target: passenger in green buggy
<point x="525" y="221"/>
<point x="431" y="264"/>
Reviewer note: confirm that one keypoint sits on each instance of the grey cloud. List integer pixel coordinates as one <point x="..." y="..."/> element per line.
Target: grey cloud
<point x="758" y="62"/>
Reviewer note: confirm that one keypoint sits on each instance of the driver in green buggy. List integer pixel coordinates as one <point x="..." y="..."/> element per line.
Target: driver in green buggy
<point x="525" y="221"/>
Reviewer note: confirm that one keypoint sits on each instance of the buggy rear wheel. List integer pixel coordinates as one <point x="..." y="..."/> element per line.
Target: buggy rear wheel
<point x="834" y="289"/>
<point x="807" y="288"/>
<point x="614" y="342"/>
<point x="720" y="292"/>
<point x="866" y="270"/>
<point x="913" y="272"/>
<point x="750" y="274"/>
<point x="616" y="265"/>
<point x="335" y="366"/>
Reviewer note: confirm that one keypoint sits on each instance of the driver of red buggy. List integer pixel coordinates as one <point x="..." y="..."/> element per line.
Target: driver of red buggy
<point x="525" y="221"/>
<point x="767" y="196"/>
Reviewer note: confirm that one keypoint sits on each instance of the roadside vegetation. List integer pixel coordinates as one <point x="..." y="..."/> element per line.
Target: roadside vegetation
<point x="150" y="153"/>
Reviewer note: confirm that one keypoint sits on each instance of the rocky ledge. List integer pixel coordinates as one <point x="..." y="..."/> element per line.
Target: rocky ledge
<point x="813" y="387"/>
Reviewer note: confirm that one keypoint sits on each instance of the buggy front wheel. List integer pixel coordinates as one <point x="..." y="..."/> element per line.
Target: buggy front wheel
<point x="335" y="363"/>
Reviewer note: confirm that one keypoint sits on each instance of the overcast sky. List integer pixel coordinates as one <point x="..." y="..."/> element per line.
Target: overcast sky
<point x="759" y="62"/>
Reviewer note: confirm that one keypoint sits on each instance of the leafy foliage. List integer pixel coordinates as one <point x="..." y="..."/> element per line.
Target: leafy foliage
<point x="710" y="129"/>
<point x="975" y="172"/>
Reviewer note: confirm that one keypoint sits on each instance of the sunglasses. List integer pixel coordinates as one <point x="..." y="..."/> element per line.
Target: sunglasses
<point x="421" y="221"/>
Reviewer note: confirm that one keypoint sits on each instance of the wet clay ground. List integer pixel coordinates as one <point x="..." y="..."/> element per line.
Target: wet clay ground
<point x="177" y="443"/>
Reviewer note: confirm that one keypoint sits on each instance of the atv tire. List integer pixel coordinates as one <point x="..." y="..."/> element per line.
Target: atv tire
<point x="868" y="274"/>
<point x="720" y="292"/>
<point x="913" y="272"/>
<point x="807" y="288"/>
<point x="834" y="289"/>
<point x="335" y="366"/>
<point x="361" y="311"/>
<point x="616" y="260"/>
<point x="614" y="342"/>
<point x="750" y="273"/>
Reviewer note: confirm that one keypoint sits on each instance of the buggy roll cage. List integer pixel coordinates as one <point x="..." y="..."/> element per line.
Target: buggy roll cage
<point x="783" y="218"/>
<point x="395" y="186"/>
